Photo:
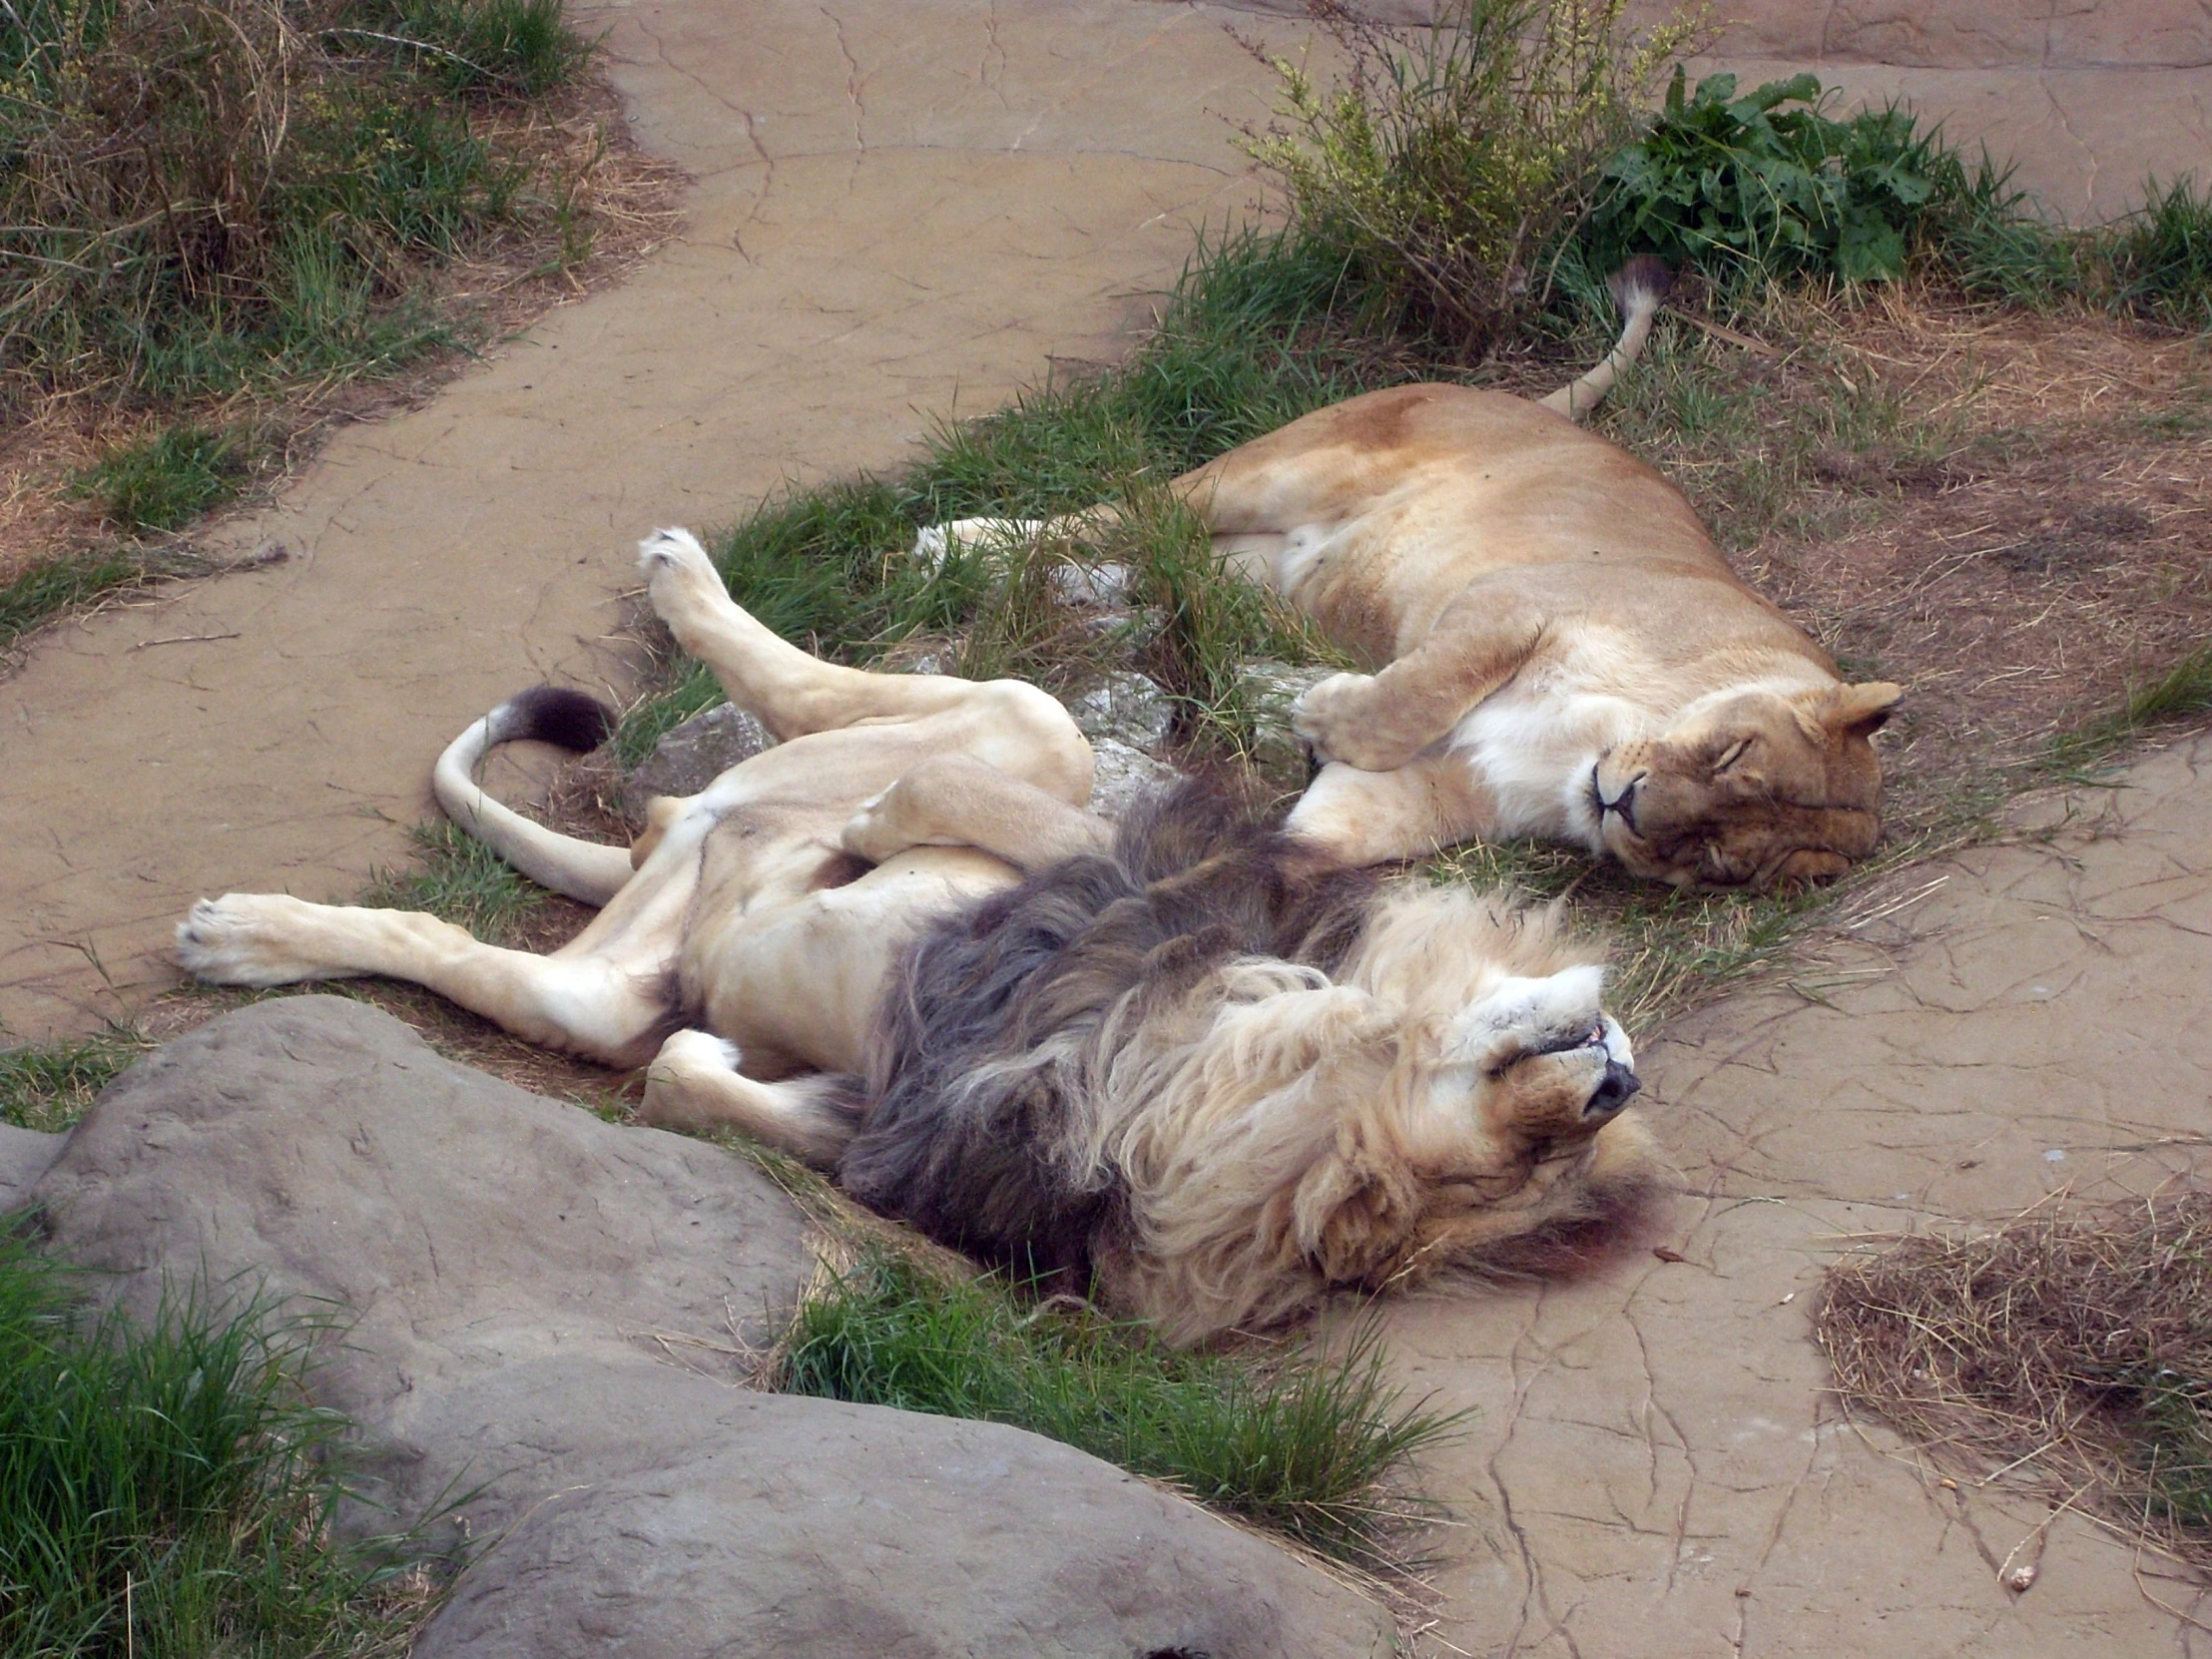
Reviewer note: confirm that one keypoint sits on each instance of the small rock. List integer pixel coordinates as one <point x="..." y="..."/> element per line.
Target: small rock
<point x="1127" y="709"/>
<point x="693" y="755"/>
<point x="1272" y="688"/>
<point x="1123" y="774"/>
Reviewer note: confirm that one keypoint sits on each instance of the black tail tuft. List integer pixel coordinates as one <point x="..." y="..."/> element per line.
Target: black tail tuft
<point x="1644" y="278"/>
<point x="556" y="715"/>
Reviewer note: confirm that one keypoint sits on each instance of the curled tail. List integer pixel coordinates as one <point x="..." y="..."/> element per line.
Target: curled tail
<point x="1638" y="288"/>
<point x="582" y="870"/>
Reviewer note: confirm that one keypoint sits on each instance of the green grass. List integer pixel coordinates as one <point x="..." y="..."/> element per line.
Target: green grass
<point x="1306" y="1445"/>
<point x="457" y="879"/>
<point x="522" y="47"/>
<point x="165" y="1490"/>
<point x="2183" y="692"/>
<point x="61" y="586"/>
<point x="168" y="478"/>
<point x="1256" y="333"/>
<point x="48" y="1086"/>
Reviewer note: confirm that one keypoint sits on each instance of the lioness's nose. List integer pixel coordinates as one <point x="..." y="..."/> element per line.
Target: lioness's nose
<point x="1625" y="802"/>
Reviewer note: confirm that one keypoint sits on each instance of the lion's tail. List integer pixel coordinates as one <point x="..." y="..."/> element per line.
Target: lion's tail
<point x="1639" y="287"/>
<point x="582" y="870"/>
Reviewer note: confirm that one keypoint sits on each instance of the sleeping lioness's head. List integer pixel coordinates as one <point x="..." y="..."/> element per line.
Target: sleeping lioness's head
<point x="1748" y="789"/>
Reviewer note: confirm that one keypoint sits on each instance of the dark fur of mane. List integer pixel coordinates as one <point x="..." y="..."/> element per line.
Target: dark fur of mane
<point x="1200" y="875"/>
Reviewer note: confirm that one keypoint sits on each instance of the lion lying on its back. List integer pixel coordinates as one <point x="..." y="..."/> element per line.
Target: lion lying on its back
<point x="1561" y="649"/>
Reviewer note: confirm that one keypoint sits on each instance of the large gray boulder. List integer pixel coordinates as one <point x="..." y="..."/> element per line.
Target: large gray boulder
<point x="554" y="1316"/>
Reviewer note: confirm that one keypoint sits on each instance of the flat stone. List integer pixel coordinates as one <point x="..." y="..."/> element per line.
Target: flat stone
<point x="1123" y="774"/>
<point x="675" y="1516"/>
<point x="1128" y="708"/>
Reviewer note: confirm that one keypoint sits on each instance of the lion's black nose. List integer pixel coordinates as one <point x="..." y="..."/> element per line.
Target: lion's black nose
<point x="1612" y="1091"/>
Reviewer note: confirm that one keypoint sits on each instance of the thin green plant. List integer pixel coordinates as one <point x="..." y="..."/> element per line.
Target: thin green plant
<point x="48" y="1086"/>
<point x="1307" y="1444"/>
<point x="457" y="879"/>
<point x="166" y="1488"/>
<point x="165" y="478"/>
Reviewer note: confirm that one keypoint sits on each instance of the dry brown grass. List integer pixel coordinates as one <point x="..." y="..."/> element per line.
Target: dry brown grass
<point x="2069" y="1349"/>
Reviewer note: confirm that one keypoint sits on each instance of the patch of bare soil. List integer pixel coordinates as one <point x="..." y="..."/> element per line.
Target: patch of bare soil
<point x="610" y="205"/>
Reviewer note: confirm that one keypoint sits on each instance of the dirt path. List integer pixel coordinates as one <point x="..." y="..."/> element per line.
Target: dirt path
<point x="903" y="208"/>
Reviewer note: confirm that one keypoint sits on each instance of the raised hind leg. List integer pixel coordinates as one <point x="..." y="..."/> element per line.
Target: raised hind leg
<point x="791" y="691"/>
<point x="1014" y="727"/>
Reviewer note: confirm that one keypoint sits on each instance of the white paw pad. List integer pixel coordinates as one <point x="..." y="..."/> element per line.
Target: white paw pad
<point x="236" y="940"/>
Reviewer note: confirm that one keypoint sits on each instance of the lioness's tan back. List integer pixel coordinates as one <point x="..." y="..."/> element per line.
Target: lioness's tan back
<point x="1453" y="485"/>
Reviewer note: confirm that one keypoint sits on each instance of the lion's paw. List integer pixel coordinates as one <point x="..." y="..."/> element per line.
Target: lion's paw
<point x="243" y="939"/>
<point x="672" y="549"/>
<point x="877" y="831"/>
<point x="689" y="1064"/>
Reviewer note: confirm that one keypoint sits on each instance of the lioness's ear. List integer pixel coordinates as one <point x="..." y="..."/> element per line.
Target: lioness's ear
<point x="1858" y="711"/>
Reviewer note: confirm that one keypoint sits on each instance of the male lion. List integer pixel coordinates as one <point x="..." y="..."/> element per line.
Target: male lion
<point x="1193" y="1063"/>
<point x="1561" y="649"/>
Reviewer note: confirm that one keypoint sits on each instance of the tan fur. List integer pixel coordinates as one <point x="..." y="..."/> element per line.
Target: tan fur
<point x="1279" y="1132"/>
<point x="1558" y="647"/>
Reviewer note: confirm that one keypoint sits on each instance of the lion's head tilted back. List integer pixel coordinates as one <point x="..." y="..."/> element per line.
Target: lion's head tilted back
<point x="1748" y="789"/>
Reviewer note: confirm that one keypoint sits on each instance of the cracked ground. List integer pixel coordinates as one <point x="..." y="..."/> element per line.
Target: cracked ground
<point x="1654" y="1466"/>
<point x="902" y="211"/>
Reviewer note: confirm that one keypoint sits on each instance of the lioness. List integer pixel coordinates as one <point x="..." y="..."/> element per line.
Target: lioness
<point x="1561" y="649"/>
<point x="1195" y="1061"/>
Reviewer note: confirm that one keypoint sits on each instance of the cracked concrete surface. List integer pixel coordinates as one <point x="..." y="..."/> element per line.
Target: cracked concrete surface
<point x="1654" y="1468"/>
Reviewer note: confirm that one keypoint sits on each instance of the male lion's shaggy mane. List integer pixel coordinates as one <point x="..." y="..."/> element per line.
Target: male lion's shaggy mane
<point x="992" y="1096"/>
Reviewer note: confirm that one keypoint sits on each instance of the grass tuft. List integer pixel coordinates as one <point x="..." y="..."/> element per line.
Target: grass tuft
<point x="2182" y="693"/>
<point x="457" y="879"/>
<point x="163" y="480"/>
<point x="48" y="1086"/>
<point x="1307" y="1446"/>
<point x="48" y="590"/>
<point x="2071" y="1348"/>
<point x="166" y="1490"/>
<point x="520" y="47"/>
